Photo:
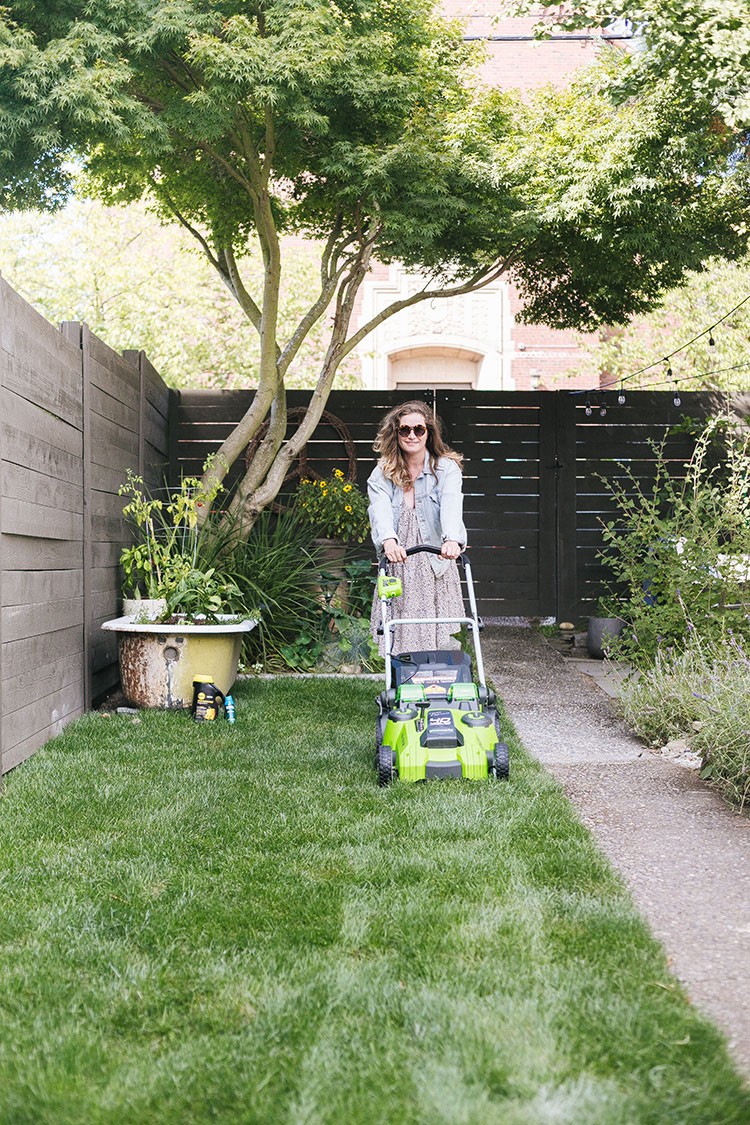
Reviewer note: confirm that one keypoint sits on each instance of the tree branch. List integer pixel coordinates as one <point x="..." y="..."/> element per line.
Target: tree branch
<point x="312" y="315"/>
<point x="243" y="432"/>
<point x="346" y="298"/>
<point x="179" y="82"/>
<point x="161" y="193"/>
<point x="269" y="147"/>
<point x="266" y="452"/>
<point x="229" y="168"/>
<point x="480" y="279"/>
<point x="227" y="267"/>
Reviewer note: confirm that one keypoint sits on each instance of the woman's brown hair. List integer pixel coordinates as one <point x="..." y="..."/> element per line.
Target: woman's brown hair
<point x="392" y="460"/>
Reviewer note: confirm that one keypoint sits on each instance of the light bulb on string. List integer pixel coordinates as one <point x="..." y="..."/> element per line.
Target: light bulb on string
<point x="587" y="408"/>
<point x="711" y="341"/>
<point x="621" y="395"/>
<point x="677" y="400"/>
<point x="602" y="406"/>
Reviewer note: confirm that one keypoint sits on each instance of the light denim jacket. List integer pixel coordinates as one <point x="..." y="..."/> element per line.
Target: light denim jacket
<point x="438" y="502"/>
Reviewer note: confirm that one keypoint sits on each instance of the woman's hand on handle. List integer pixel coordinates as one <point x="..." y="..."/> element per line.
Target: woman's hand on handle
<point x="450" y="549"/>
<point x="393" y="551"/>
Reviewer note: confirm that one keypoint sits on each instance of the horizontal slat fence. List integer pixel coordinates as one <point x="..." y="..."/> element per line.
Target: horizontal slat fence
<point x="75" y="416"/>
<point x="535" y="466"/>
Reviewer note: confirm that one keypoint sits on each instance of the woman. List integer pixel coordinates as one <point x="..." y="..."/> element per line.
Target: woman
<point x="415" y="497"/>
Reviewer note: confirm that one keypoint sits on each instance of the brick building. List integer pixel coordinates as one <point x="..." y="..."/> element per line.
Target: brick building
<point x="476" y="341"/>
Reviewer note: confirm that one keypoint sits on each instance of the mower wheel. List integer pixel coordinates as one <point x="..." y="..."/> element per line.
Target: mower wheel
<point x="386" y="763"/>
<point x="502" y="762"/>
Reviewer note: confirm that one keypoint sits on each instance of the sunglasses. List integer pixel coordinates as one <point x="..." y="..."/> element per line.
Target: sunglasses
<point x="418" y="430"/>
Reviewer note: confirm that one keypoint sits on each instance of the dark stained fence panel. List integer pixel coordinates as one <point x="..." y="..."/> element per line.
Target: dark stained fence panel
<point x="624" y="447"/>
<point x="534" y="498"/>
<point x="498" y="434"/>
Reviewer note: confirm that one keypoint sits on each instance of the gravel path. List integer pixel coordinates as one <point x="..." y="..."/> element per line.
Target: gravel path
<point x="684" y="854"/>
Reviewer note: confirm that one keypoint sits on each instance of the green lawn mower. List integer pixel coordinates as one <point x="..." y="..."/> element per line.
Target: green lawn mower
<point x="435" y="721"/>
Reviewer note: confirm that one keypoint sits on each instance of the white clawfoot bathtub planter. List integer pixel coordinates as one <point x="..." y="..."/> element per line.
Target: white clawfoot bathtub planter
<point x="158" y="661"/>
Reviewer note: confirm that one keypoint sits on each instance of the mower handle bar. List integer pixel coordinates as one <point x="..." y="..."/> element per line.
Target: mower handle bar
<point x="474" y="621"/>
<point x="382" y="561"/>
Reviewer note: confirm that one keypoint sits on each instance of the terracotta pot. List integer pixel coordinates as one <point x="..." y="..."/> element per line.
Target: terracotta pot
<point x="332" y="554"/>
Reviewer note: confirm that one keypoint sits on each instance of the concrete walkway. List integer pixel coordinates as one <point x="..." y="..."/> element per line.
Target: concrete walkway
<point x="684" y="854"/>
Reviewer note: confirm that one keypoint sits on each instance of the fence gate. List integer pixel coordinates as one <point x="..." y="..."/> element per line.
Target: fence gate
<point x="535" y="465"/>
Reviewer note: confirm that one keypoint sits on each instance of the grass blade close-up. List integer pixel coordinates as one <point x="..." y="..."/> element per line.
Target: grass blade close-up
<point x="233" y="923"/>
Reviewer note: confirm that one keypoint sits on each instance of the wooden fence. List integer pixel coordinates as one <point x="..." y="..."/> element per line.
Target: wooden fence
<point x="534" y="494"/>
<point x="75" y="416"/>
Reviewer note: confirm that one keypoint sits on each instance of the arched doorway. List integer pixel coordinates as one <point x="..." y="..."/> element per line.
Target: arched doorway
<point x="419" y="368"/>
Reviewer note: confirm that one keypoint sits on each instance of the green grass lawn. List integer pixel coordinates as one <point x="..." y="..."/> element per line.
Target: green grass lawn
<point x="224" y="923"/>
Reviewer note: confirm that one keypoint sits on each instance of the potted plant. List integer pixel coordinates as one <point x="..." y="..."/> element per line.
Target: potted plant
<point x="603" y="628"/>
<point x="185" y="619"/>
<point x="334" y="508"/>
<point x="162" y="564"/>
<point x="336" y="512"/>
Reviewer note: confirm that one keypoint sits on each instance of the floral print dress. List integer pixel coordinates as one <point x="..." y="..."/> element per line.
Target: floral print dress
<point x="426" y="594"/>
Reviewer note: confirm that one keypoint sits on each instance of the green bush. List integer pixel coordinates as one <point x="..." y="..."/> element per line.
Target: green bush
<point x="278" y="569"/>
<point x="702" y="694"/>
<point x="678" y="551"/>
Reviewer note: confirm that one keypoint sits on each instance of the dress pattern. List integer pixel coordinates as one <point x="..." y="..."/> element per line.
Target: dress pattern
<point x="426" y="594"/>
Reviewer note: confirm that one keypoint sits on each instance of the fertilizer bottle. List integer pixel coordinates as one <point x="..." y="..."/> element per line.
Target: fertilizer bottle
<point x="207" y="699"/>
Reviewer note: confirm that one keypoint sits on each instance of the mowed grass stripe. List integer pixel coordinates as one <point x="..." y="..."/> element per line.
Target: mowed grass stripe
<point x="233" y="923"/>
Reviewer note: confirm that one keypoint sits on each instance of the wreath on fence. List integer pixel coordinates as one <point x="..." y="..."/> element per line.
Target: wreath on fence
<point x="301" y="468"/>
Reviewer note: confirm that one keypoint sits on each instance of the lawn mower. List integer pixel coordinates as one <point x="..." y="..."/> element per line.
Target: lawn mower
<point x="434" y="720"/>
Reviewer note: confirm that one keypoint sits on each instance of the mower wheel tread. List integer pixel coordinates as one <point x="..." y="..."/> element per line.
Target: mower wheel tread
<point x="502" y="761"/>
<point x="386" y="763"/>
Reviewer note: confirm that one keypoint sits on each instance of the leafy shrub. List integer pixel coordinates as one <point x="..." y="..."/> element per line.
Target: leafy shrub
<point x="701" y="694"/>
<point x="170" y="544"/>
<point x="679" y="552"/>
<point x="665" y="701"/>
<point x="277" y="568"/>
<point x="204" y="594"/>
<point x="342" y="636"/>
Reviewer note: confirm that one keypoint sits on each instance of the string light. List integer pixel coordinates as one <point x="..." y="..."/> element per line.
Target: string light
<point x="602" y="406"/>
<point x="669" y="375"/>
<point x="702" y="375"/>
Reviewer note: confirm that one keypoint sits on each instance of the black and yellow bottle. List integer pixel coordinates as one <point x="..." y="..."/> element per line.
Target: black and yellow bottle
<point x="207" y="699"/>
